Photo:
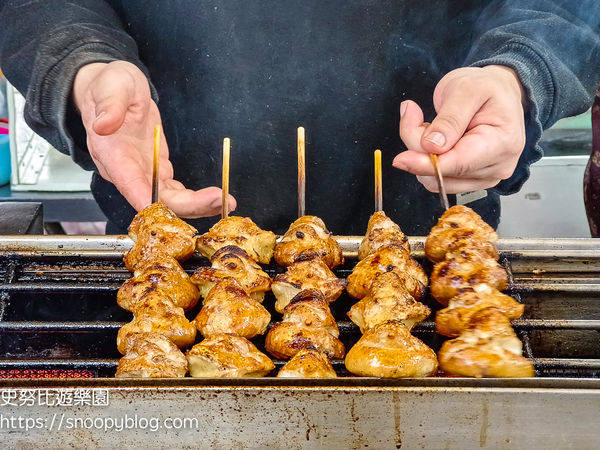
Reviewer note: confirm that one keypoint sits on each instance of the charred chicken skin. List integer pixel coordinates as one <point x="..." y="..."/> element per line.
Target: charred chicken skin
<point x="388" y="300"/>
<point x="157" y="232"/>
<point x="151" y="355"/>
<point x="460" y="226"/>
<point x="488" y="347"/>
<point x="229" y="309"/>
<point x="156" y="313"/>
<point x="164" y="275"/>
<point x="307" y="322"/>
<point x="305" y="275"/>
<point x="388" y="350"/>
<point x="387" y="259"/>
<point x="454" y="319"/>
<point x="460" y="272"/>
<point x="308" y="363"/>
<point x="233" y="262"/>
<point x="381" y="231"/>
<point x="227" y="356"/>
<point x="241" y="232"/>
<point x="308" y="238"/>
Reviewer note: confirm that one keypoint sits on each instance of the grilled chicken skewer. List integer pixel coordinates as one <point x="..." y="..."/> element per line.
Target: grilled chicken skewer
<point x="233" y="262"/>
<point x="151" y="355"/>
<point x="307" y="322"/>
<point x="227" y="356"/>
<point x="308" y="363"/>
<point x="467" y="279"/>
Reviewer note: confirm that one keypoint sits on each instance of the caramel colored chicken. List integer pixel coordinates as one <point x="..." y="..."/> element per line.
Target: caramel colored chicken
<point x="303" y="275"/>
<point x="308" y="363"/>
<point x="157" y="232"/>
<point x="389" y="350"/>
<point x="241" y="232"/>
<point x="461" y="272"/>
<point x="229" y="309"/>
<point x="454" y="319"/>
<point x="308" y="238"/>
<point x="460" y="226"/>
<point x="488" y="347"/>
<point x="164" y="275"/>
<point x="233" y="262"/>
<point x="151" y="355"/>
<point x="381" y="231"/>
<point x="307" y="322"/>
<point x="387" y="259"/>
<point x="156" y="313"/>
<point x="227" y="356"/>
<point x="388" y="300"/>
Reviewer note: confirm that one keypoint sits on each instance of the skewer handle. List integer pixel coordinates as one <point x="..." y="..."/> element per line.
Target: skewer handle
<point x="378" y="182"/>
<point x="155" y="164"/>
<point x="301" y="172"/>
<point x="440" y="180"/>
<point x="225" y="179"/>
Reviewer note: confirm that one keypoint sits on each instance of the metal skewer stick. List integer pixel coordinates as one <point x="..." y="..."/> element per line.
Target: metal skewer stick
<point x="301" y="172"/>
<point x="225" y="179"/>
<point x="155" y="164"/>
<point x="438" y="175"/>
<point x="378" y="182"/>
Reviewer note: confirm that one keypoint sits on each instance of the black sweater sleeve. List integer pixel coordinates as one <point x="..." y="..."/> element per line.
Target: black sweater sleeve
<point x="42" y="46"/>
<point x="554" y="47"/>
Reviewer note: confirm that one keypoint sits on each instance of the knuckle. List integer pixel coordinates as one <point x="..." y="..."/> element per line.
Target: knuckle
<point x="448" y="121"/>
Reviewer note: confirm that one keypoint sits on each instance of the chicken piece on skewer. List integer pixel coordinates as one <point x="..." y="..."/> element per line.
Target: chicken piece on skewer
<point x="156" y="313"/>
<point x="308" y="238"/>
<point x="157" y="232"/>
<point x="488" y="347"/>
<point x="229" y="309"/>
<point x="458" y="227"/>
<point x="227" y="356"/>
<point x="387" y="300"/>
<point x="241" y="232"/>
<point x="303" y="275"/>
<point x="387" y="259"/>
<point x="151" y="355"/>
<point x="164" y="275"/>
<point x="308" y="363"/>
<point x="307" y="322"/>
<point x="233" y="262"/>
<point x="462" y="271"/>
<point x="381" y="231"/>
<point x="389" y="350"/>
<point x="454" y="319"/>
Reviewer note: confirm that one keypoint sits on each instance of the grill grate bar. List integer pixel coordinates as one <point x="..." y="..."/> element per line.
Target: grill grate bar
<point x="344" y="326"/>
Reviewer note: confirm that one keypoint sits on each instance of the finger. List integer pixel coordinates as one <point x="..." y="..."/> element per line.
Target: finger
<point x="458" y="185"/>
<point x="411" y="124"/>
<point x="479" y="154"/>
<point x="130" y="178"/>
<point x="110" y="108"/>
<point x="192" y="204"/>
<point x="457" y="109"/>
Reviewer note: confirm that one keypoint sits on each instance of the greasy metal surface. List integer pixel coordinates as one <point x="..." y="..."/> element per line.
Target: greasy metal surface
<point x="316" y="417"/>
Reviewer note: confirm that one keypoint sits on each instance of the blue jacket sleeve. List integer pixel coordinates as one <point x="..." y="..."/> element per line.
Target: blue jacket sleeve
<point x="43" y="45"/>
<point x="554" y="47"/>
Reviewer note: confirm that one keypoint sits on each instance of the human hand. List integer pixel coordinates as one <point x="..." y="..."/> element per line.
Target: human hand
<point x="479" y="130"/>
<point x="119" y="116"/>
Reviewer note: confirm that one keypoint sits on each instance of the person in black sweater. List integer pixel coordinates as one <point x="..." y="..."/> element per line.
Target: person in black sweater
<point x="99" y="74"/>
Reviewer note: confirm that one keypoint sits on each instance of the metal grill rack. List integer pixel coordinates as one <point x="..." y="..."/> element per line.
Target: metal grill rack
<point x="58" y="303"/>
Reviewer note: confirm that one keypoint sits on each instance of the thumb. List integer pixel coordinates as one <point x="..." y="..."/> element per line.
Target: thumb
<point x="111" y="107"/>
<point x="454" y="116"/>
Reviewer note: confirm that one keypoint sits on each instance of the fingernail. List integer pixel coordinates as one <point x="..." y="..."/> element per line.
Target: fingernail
<point x="403" y="107"/>
<point x="437" y="138"/>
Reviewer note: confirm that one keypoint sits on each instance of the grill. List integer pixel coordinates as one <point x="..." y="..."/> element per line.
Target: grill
<point x="59" y="320"/>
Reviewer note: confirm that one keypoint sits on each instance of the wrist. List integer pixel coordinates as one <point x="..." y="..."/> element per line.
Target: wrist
<point x="509" y="78"/>
<point x="83" y="78"/>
